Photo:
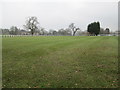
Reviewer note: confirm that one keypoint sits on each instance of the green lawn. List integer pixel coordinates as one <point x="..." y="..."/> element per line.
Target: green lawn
<point x="60" y="62"/>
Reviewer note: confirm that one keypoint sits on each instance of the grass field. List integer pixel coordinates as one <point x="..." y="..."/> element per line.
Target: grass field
<point x="60" y="62"/>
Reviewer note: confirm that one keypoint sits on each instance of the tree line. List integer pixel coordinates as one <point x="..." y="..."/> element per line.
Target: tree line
<point x="32" y="27"/>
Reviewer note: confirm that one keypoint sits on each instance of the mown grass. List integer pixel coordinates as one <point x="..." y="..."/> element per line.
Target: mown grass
<point x="60" y="62"/>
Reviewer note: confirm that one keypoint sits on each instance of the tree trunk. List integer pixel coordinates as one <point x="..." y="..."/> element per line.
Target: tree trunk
<point x="73" y="33"/>
<point x="32" y="32"/>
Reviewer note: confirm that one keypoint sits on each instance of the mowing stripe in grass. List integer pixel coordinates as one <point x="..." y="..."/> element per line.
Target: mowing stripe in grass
<point x="60" y="61"/>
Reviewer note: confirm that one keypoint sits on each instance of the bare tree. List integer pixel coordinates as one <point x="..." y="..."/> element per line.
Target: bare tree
<point x="42" y="31"/>
<point x="14" y="30"/>
<point x="102" y="31"/>
<point x="107" y="31"/>
<point x="73" y="28"/>
<point x="31" y="24"/>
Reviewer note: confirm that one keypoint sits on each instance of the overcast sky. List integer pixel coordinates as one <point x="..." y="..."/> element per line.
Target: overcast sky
<point x="55" y="14"/>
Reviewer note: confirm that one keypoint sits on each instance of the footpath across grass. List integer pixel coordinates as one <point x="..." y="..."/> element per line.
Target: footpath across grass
<point x="60" y="62"/>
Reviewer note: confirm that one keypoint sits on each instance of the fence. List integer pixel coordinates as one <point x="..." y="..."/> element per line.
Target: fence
<point x="21" y="35"/>
<point x="51" y="35"/>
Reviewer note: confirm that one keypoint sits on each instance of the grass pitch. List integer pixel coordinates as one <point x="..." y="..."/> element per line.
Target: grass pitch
<point x="60" y="62"/>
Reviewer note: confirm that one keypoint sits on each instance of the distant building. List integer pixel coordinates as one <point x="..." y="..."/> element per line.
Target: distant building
<point x="23" y="32"/>
<point x="117" y="33"/>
